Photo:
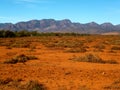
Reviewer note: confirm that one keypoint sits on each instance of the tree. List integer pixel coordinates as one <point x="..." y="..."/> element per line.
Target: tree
<point x="23" y="33"/>
<point x="7" y="33"/>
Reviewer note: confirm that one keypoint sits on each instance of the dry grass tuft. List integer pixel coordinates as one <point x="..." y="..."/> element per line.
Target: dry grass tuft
<point x="92" y="59"/>
<point x="17" y="85"/>
<point x="19" y="59"/>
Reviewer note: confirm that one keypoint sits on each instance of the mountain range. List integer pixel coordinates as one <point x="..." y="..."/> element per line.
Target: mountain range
<point x="51" y="25"/>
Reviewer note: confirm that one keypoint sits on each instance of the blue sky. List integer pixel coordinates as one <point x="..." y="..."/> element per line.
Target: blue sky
<point x="82" y="11"/>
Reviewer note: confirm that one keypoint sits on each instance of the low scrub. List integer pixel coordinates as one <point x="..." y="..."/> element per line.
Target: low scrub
<point x="64" y="43"/>
<point x="19" y="59"/>
<point x="89" y="58"/>
<point x="99" y="46"/>
<point x="21" y="44"/>
<point x="111" y="62"/>
<point x="92" y="59"/>
<point x="17" y="85"/>
<point x="115" y="48"/>
<point x="77" y="50"/>
<point x="114" y="86"/>
<point x="33" y="85"/>
<point x="5" y="81"/>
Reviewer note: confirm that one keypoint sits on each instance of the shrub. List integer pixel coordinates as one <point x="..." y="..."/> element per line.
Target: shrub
<point x="111" y="62"/>
<point x="23" y="33"/>
<point x="7" y="33"/>
<point x="32" y="57"/>
<point x="21" y="44"/>
<point x="33" y="85"/>
<point x="77" y="50"/>
<point x="64" y="43"/>
<point x="5" y="81"/>
<point x="89" y="58"/>
<point x="115" y="42"/>
<point x="93" y="59"/>
<point x="19" y="59"/>
<point x="8" y="47"/>
<point x="11" y="61"/>
<point x="99" y="46"/>
<point x="22" y="58"/>
<point x="32" y="48"/>
<point x="15" y="84"/>
<point x="115" y="48"/>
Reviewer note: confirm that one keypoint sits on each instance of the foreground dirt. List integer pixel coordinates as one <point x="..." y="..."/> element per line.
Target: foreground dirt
<point x="56" y="71"/>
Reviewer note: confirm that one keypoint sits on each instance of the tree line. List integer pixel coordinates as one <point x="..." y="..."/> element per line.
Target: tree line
<point x="25" y="33"/>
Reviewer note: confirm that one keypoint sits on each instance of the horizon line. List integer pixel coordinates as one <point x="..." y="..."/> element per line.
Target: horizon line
<point x="58" y="20"/>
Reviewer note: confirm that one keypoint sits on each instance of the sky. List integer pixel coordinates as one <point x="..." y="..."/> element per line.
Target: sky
<point x="82" y="11"/>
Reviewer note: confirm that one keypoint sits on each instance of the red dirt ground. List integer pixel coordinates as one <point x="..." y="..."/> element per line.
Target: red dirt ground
<point x="56" y="71"/>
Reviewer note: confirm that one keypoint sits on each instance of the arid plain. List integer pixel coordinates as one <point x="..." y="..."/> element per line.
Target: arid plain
<point x="90" y="62"/>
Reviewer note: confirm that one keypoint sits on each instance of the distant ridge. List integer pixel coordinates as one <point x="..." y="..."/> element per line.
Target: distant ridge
<point x="51" y="25"/>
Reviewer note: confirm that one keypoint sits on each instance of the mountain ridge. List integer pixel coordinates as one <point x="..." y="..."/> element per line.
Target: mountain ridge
<point x="65" y="25"/>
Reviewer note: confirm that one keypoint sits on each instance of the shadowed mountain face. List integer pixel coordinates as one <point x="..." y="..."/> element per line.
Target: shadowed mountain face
<point x="51" y="25"/>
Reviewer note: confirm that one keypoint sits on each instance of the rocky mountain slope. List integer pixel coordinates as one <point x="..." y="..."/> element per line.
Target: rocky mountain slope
<point x="51" y="25"/>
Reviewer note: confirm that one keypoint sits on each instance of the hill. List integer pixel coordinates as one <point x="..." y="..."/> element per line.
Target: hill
<point x="51" y="25"/>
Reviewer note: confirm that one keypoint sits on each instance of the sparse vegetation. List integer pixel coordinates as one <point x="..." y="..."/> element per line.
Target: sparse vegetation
<point x="111" y="62"/>
<point x="114" y="86"/>
<point x="33" y="85"/>
<point x="99" y="47"/>
<point x="92" y="59"/>
<point x="77" y="50"/>
<point x="89" y="58"/>
<point x="65" y="44"/>
<point x="115" y="48"/>
<point x="25" y="33"/>
<point x="16" y="84"/>
<point x="5" y="81"/>
<point x="54" y="69"/>
<point x="20" y="59"/>
<point x="21" y="44"/>
<point x="114" y="42"/>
